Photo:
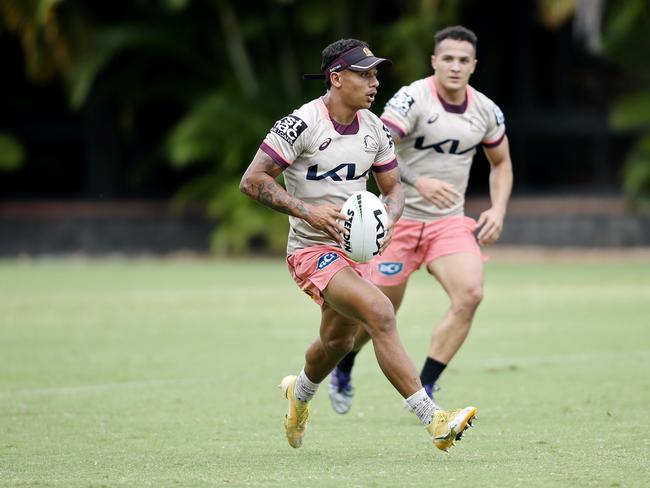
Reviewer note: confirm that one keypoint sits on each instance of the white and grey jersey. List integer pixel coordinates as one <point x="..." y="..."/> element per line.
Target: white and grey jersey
<point x="325" y="162"/>
<point x="439" y="139"/>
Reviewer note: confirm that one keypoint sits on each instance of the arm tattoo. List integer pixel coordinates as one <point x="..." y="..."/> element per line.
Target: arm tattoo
<point x="271" y="194"/>
<point x="393" y="194"/>
<point x="259" y="183"/>
<point x="394" y="202"/>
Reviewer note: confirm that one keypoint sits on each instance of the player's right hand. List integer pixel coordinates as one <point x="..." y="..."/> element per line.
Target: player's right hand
<point x="438" y="192"/>
<point x="329" y="219"/>
<point x="387" y="239"/>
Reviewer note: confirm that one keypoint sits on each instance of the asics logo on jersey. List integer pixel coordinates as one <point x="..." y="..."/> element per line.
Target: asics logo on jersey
<point x="289" y="128"/>
<point x="449" y="146"/>
<point x="327" y="259"/>
<point x="390" y="269"/>
<point x="325" y="143"/>
<point x="346" y="170"/>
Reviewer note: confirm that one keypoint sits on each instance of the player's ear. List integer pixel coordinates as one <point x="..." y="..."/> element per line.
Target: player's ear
<point x="335" y="79"/>
<point x="474" y="66"/>
<point x="433" y="61"/>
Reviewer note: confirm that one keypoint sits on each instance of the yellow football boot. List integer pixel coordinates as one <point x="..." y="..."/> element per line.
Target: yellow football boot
<point x="448" y="426"/>
<point x="295" y="422"/>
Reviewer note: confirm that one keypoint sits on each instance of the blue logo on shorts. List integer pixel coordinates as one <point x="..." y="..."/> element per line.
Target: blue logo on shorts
<point x="327" y="259"/>
<point x="390" y="269"/>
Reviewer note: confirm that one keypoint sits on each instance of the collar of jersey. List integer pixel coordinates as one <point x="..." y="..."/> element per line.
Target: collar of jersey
<point x="344" y="130"/>
<point x="450" y="107"/>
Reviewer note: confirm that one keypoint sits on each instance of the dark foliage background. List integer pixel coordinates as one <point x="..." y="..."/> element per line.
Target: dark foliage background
<point x="171" y="98"/>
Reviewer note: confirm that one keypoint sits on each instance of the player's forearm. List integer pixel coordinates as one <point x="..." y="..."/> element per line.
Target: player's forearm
<point x="407" y="175"/>
<point x="269" y="192"/>
<point x="394" y="202"/>
<point x="501" y="185"/>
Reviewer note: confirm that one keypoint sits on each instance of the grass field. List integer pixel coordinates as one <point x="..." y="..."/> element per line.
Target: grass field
<point x="163" y="373"/>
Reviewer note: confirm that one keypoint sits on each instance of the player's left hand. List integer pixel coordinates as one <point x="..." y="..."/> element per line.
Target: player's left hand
<point x="490" y="224"/>
<point x="385" y="242"/>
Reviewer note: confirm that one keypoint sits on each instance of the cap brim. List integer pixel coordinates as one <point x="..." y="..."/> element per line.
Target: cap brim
<point x="368" y="63"/>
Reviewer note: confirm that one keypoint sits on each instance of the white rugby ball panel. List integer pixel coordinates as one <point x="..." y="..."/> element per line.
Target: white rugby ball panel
<point x="366" y="226"/>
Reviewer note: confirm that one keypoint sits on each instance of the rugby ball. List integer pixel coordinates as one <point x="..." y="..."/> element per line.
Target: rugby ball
<point x="365" y="227"/>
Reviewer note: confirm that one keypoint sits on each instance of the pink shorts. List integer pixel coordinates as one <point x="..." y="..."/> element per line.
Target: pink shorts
<point x="415" y="243"/>
<point x="312" y="268"/>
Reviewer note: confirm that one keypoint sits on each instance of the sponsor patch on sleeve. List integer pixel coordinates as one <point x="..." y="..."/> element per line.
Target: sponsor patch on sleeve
<point x="289" y="128"/>
<point x="498" y="114"/>
<point x="401" y="103"/>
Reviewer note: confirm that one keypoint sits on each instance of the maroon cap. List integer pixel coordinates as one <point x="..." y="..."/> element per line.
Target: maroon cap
<point x="358" y="58"/>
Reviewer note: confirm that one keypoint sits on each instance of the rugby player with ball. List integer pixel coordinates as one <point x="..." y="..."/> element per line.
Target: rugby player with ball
<point x="326" y="149"/>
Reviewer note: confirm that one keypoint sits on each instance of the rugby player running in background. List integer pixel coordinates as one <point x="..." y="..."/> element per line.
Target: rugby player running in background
<point x="326" y="149"/>
<point x="437" y="123"/>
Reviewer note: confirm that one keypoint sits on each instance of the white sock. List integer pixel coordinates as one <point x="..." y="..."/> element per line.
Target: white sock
<point x="305" y="389"/>
<point x="422" y="405"/>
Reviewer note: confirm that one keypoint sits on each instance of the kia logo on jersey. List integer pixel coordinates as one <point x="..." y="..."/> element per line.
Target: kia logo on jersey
<point x="449" y="146"/>
<point x="348" y="170"/>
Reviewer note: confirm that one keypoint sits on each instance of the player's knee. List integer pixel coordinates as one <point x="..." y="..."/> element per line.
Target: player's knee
<point x="380" y="317"/>
<point x="475" y="295"/>
<point x="468" y="299"/>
